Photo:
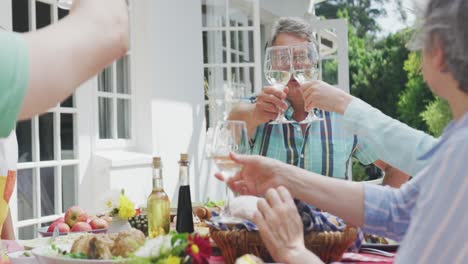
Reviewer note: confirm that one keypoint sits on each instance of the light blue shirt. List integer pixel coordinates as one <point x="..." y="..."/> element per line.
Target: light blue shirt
<point x="392" y="141"/>
<point x="429" y="212"/>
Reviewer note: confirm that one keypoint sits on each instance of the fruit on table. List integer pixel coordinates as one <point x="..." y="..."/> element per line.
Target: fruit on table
<point x="56" y="222"/>
<point x="62" y="228"/>
<point x="140" y="222"/>
<point x="98" y="223"/>
<point x="81" y="227"/>
<point x="74" y="215"/>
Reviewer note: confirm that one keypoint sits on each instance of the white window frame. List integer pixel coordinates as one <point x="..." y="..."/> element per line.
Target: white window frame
<point x="115" y="142"/>
<point x="229" y="65"/>
<point x="57" y="164"/>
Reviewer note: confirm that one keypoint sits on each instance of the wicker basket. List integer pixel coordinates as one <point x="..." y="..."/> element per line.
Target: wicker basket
<point x="328" y="246"/>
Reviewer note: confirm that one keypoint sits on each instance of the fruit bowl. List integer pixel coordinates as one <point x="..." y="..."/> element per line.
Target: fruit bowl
<point x="43" y="232"/>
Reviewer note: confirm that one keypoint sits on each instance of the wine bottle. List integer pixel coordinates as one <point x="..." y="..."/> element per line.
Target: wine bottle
<point x="159" y="207"/>
<point x="184" y="222"/>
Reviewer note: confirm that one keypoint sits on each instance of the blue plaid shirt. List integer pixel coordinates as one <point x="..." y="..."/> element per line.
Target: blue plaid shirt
<point x="429" y="212"/>
<point x="325" y="147"/>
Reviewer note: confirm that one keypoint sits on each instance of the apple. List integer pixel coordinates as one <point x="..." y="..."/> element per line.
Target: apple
<point x="63" y="228"/>
<point x="52" y="226"/>
<point x="98" y="223"/>
<point x="81" y="227"/>
<point x="75" y="215"/>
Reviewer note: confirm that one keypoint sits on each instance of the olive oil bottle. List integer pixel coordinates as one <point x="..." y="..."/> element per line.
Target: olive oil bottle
<point x="159" y="207"/>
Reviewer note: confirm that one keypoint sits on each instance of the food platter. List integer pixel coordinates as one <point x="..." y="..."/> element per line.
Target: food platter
<point x="47" y="255"/>
<point x="43" y="232"/>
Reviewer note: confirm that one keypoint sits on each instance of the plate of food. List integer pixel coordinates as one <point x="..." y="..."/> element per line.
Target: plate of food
<point x="381" y="243"/>
<point x="93" y="248"/>
<point x="21" y="257"/>
<point x="45" y="231"/>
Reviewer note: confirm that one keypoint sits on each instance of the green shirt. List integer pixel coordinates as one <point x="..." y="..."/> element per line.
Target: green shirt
<point x="14" y="72"/>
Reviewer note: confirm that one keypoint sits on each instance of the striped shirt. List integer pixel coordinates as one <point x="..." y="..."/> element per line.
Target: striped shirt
<point x="428" y="213"/>
<point x="324" y="147"/>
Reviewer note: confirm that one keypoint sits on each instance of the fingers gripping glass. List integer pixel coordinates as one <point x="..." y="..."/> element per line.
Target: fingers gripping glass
<point x="278" y="72"/>
<point x="229" y="136"/>
<point x="305" y="61"/>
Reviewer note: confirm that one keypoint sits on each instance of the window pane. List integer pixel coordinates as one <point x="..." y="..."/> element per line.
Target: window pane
<point x="105" y="118"/>
<point x="25" y="194"/>
<point x="62" y="13"/>
<point x="68" y="187"/>
<point x="240" y="40"/>
<point x="241" y="13"/>
<point x="234" y="40"/>
<point x="20" y="10"/>
<point x="66" y="136"/>
<point x="123" y="75"/>
<point x="105" y="80"/>
<point x="47" y="191"/>
<point x="123" y="118"/>
<point x="215" y="81"/>
<point x="213" y="41"/>
<point x="24" y="136"/>
<point x="43" y="15"/>
<point x="46" y="136"/>
<point x="69" y="102"/>
<point x="330" y="71"/>
<point x="27" y="232"/>
<point x="213" y="13"/>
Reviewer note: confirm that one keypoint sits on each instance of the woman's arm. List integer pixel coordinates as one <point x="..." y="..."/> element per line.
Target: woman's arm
<point x="64" y="55"/>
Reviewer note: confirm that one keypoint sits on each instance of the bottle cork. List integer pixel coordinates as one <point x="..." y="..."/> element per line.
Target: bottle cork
<point x="156" y="162"/>
<point x="184" y="157"/>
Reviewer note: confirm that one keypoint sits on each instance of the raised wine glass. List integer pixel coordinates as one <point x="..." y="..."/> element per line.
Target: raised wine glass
<point x="277" y="70"/>
<point x="305" y="60"/>
<point x="229" y="136"/>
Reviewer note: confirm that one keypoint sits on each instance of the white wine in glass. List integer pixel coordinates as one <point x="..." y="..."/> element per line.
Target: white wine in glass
<point x="229" y="136"/>
<point x="277" y="71"/>
<point x="305" y="61"/>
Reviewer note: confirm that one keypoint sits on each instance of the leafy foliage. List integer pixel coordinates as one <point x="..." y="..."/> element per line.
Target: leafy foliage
<point x="416" y="96"/>
<point x="437" y="115"/>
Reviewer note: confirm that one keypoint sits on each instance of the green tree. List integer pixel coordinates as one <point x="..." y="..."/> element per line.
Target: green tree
<point x="362" y="13"/>
<point x="437" y="115"/>
<point x="416" y="96"/>
<point x="383" y="79"/>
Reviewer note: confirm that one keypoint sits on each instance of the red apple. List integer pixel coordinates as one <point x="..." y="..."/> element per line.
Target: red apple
<point x="81" y="227"/>
<point x="98" y="223"/>
<point x="63" y="228"/>
<point x="74" y="215"/>
<point x="52" y="226"/>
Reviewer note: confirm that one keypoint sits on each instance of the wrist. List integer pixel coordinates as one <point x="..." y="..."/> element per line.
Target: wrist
<point x="296" y="255"/>
<point x="345" y="100"/>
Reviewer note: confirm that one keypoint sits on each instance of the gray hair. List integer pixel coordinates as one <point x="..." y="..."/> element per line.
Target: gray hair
<point x="445" y="20"/>
<point x="292" y="25"/>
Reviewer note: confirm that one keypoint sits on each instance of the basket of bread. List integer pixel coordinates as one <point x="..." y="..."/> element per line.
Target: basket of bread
<point x="324" y="234"/>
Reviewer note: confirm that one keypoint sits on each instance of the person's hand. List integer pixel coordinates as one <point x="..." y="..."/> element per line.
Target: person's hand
<point x="113" y="13"/>
<point x="269" y="102"/>
<point x="318" y="94"/>
<point x="280" y="225"/>
<point x="258" y="174"/>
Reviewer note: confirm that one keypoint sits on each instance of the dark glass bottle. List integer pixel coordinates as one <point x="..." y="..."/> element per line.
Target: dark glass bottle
<point x="184" y="222"/>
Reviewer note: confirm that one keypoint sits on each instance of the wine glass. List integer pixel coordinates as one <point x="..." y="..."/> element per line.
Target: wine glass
<point x="65" y="4"/>
<point x="305" y="60"/>
<point x="278" y="72"/>
<point x="229" y="136"/>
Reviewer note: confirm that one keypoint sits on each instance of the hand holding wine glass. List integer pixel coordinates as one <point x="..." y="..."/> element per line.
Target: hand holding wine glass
<point x="305" y="60"/>
<point x="278" y="72"/>
<point x="229" y="136"/>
